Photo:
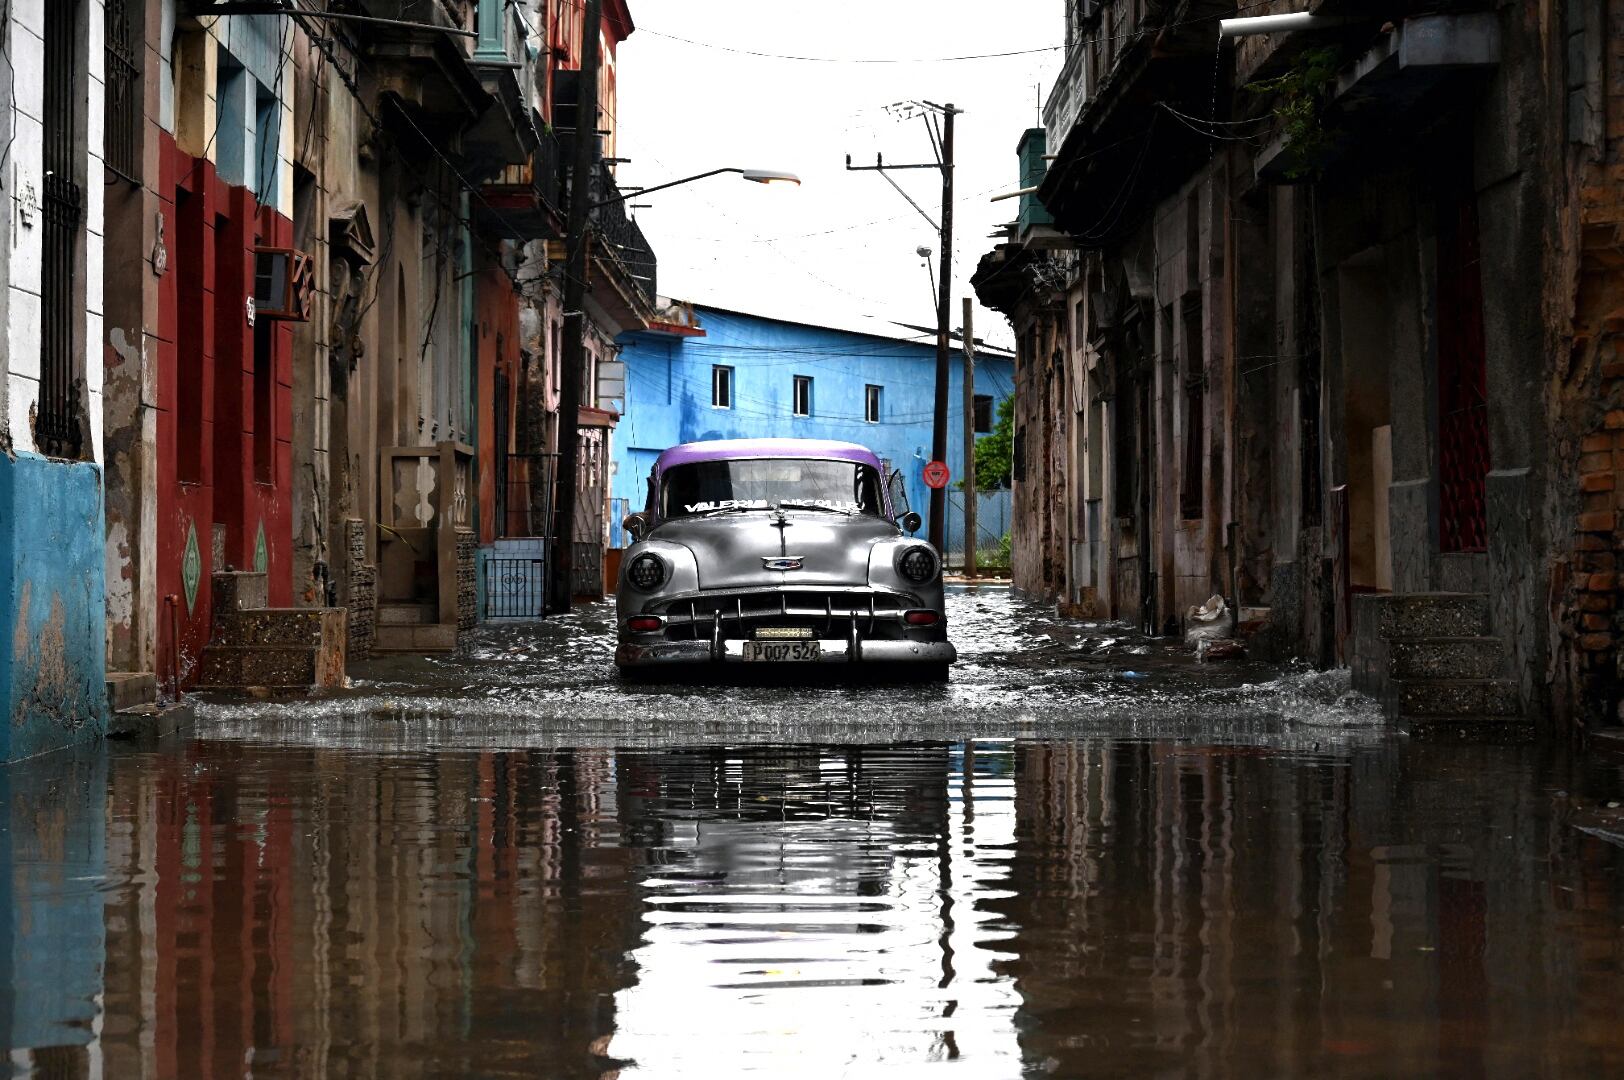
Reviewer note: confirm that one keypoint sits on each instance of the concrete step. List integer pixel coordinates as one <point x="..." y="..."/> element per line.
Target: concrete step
<point x="236" y="666"/>
<point x="237" y="590"/>
<point x="279" y="626"/>
<point x="394" y="613"/>
<point x="150" y="721"/>
<point x="1469" y="729"/>
<point x="130" y="689"/>
<point x="1446" y="658"/>
<point x="431" y="637"/>
<point x="1444" y="698"/>
<point x="1431" y="615"/>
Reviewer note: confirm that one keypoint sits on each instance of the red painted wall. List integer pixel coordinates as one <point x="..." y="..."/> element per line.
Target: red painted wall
<point x="206" y="398"/>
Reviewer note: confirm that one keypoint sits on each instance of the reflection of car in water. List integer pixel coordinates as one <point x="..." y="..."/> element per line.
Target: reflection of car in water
<point x="779" y="551"/>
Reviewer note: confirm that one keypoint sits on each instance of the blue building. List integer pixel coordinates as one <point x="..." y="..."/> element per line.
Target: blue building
<point x="717" y="374"/>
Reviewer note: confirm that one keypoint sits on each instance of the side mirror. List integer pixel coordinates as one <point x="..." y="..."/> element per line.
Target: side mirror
<point x="638" y="524"/>
<point x="910" y="521"/>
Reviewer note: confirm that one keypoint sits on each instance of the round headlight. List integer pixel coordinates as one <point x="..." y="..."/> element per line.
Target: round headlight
<point x="647" y="571"/>
<point x="918" y="564"/>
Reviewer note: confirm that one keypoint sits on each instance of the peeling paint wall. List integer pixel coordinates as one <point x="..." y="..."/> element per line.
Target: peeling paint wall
<point x="53" y="659"/>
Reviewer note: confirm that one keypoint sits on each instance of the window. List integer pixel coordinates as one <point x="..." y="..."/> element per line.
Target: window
<point x="983" y="406"/>
<point x="871" y="404"/>
<point x="721" y="387"/>
<point x="803" y="395"/>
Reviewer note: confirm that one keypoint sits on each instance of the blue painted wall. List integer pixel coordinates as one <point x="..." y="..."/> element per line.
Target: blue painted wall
<point x="668" y="395"/>
<point x="53" y="662"/>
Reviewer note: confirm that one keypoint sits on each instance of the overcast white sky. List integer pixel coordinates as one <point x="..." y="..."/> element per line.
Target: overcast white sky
<point x="840" y="249"/>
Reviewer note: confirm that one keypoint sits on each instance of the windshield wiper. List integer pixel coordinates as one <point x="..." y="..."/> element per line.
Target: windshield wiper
<point x="791" y="504"/>
<point x="730" y="510"/>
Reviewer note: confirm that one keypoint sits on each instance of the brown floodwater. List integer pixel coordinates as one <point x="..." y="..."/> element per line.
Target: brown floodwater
<point x="1109" y="904"/>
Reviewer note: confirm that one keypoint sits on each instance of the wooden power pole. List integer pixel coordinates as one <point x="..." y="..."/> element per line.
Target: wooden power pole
<point x="572" y="365"/>
<point x="969" y="443"/>
<point x="941" y="136"/>
<point x="944" y="362"/>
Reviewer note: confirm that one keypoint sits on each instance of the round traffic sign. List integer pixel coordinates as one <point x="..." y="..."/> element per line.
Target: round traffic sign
<point x="936" y="474"/>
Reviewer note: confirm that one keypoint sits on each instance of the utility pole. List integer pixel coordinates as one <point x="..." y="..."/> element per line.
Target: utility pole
<point x="944" y="362"/>
<point x="969" y="444"/>
<point x="572" y="365"/>
<point x="941" y="138"/>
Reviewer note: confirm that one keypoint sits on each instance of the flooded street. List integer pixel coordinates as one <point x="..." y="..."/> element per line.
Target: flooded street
<point x="1084" y="856"/>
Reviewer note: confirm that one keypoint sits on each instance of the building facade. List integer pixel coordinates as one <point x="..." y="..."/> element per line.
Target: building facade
<point x="51" y="381"/>
<point x="710" y="373"/>
<point x="1322" y="330"/>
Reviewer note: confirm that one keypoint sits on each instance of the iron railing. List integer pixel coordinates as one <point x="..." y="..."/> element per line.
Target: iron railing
<point x="621" y="233"/>
<point x="61" y="378"/>
<point x="122" y="129"/>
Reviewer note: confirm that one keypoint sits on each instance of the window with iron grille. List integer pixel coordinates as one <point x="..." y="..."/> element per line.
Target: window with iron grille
<point x="58" y="430"/>
<point x="803" y="395"/>
<point x="122" y="129"/>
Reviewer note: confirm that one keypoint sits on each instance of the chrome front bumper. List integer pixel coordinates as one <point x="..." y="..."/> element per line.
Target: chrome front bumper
<point x="833" y="651"/>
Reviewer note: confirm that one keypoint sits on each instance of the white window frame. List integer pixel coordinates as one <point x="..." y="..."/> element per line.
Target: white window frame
<point x="721" y="386"/>
<point x="873" y="396"/>
<point x="802" y="387"/>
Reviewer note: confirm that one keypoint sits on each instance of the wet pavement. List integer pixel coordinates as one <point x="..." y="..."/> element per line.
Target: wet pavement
<point x="1084" y="856"/>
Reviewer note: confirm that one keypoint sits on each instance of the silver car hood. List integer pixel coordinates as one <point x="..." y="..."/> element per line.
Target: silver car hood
<point x="731" y="548"/>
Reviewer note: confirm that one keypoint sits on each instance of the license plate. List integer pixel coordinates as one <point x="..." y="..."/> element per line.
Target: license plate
<point x="781" y="651"/>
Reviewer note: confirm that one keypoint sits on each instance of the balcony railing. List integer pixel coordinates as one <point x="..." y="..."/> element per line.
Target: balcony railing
<point x="623" y="237"/>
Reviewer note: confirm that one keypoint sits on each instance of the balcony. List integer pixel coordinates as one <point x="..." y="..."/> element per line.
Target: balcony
<point x="623" y="239"/>
<point x="1119" y="154"/>
<point x="506" y="134"/>
<point x="426" y="73"/>
<point x="525" y="202"/>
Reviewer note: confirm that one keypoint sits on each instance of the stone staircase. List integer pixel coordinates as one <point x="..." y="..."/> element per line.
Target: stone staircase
<point x="285" y="650"/>
<point x="413" y="627"/>
<point x="1430" y="660"/>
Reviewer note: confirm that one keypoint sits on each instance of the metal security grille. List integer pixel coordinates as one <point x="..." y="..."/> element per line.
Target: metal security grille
<point x="122" y="132"/>
<point x="515" y="588"/>
<point x="58" y="428"/>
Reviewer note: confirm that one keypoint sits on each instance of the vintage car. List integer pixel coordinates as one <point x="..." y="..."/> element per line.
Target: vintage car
<point x="779" y="551"/>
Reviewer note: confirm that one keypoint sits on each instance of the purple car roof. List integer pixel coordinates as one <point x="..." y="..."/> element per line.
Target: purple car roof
<point x="724" y="449"/>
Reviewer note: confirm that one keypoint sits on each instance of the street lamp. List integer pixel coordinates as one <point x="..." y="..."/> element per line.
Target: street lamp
<point x="759" y="176"/>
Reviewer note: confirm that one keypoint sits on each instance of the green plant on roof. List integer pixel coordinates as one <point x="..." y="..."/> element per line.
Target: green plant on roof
<point x="1302" y="97"/>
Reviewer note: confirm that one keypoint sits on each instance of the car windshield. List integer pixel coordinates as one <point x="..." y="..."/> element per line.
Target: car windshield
<point x="709" y="487"/>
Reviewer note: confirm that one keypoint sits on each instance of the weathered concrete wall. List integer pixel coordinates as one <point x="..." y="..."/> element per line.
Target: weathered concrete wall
<point x="53" y="663"/>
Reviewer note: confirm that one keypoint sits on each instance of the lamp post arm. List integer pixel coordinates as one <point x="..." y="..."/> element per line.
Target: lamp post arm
<point x="660" y="187"/>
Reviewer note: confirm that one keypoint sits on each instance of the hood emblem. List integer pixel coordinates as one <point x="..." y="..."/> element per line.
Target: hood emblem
<point x="786" y="562"/>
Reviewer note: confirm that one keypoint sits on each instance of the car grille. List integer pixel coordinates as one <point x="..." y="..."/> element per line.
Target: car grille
<point x="829" y="613"/>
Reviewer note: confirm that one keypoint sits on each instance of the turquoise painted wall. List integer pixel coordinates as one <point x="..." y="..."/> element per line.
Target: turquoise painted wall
<point x="668" y="395"/>
<point x="53" y="663"/>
